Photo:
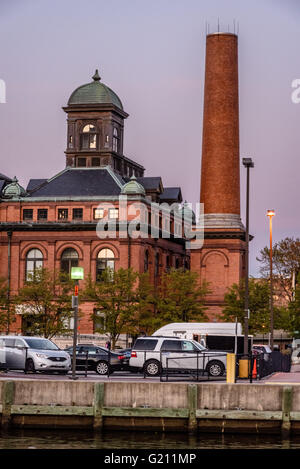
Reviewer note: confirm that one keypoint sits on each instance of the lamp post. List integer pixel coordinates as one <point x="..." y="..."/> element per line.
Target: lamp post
<point x="270" y="214"/>
<point x="248" y="163"/>
<point x="77" y="274"/>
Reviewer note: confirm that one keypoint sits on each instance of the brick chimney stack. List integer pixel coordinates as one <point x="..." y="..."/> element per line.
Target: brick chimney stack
<point x="221" y="260"/>
<point x="220" y="170"/>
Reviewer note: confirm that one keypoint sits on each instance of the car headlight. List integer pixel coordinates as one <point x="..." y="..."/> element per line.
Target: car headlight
<point x="41" y="355"/>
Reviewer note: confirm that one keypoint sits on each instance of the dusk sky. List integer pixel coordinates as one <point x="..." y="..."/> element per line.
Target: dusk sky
<point x="151" y="53"/>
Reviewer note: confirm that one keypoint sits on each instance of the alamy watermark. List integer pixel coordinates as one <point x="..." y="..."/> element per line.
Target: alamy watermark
<point x="138" y="219"/>
<point x="2" y="92"/>
<point x="295" y="96"/>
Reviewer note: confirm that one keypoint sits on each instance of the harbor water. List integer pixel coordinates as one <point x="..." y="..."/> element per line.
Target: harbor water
<point x="65" y="439"/>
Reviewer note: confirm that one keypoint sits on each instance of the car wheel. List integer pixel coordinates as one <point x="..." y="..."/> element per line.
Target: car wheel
<point x="215" y="368"/>
<point x="102" y="368"/>
<point x="29" y="367"/>
<point x="152" y="368"/>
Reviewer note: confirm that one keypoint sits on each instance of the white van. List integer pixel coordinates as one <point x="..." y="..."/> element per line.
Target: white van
<point x="188" y="330"/>
<point x="226" y="336"/>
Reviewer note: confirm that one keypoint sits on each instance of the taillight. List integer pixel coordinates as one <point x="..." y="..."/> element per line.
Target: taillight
<point x="133" y="354"/>
<point x="120" y="357"/>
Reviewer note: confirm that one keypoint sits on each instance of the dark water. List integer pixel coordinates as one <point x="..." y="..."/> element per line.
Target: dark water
<point x="64" y="439"/>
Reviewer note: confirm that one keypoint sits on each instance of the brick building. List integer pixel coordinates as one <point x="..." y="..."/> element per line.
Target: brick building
<point x="52" y="223"/>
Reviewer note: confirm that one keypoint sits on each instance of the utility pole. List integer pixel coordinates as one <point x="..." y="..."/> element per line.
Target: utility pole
<point x="248" y="163"/>
<point x="270" y="214"/>
<point x="75" y="308"/>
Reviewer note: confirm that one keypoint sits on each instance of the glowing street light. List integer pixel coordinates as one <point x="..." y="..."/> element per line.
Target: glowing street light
<point x="270" y="214"/>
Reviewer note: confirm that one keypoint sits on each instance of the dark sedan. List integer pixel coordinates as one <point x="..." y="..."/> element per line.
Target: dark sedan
<point x="124" y="356"/>
<point x="94" y="358"/>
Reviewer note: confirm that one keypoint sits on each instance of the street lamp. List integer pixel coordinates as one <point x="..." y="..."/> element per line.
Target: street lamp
<point x="77" y="273"/>
<point x="248" y="163"/>
<point x="270" y="214"/>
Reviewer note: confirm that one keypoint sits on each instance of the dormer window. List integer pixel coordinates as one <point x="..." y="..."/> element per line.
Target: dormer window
<point x="89" y="137"/>
<point x="116" y="140"/>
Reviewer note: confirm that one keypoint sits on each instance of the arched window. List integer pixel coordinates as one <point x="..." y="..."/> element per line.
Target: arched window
<point x="89" y="137"/>
<point x="34" y="261"/>
<point x="105" y="260"/>
<point x="69" y="259"/>
<point x="116" y="140"/>
<point x="168" y="265"/>
<point x="146" y="261"/>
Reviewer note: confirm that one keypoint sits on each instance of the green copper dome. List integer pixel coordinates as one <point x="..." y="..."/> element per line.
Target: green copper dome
<point x="95" y="93"/>
<point x="133" y="187"/>
<point x="13" y="190"/>
<point x="187" y="212"/>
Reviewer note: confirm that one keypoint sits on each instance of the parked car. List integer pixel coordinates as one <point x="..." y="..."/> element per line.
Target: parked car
<point x="33" y="354"/>
<point x="260" y="349"/>
<point x="150" y="355"/>
<point x="124" y="357"/>
<point x="95" y="358"/>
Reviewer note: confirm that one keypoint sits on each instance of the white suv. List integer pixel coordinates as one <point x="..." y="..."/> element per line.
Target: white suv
<point x="152" y="354"/>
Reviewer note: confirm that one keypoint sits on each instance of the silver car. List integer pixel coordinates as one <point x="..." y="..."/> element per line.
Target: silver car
<point x="32" y="354"/>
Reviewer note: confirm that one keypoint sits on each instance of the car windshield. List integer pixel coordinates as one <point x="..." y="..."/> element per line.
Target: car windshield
<point x="41" y="344"/>
<point x="199" y="346"/>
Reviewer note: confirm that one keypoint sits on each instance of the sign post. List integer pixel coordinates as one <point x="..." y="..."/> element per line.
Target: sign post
<point x="76" y="274"/>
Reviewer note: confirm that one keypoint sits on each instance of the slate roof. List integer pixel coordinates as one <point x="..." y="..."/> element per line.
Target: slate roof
<point x="75" y="182"/>
<point x="34" y="184"/>
<point x="4" y="180"/>
<point x="171" y="194"/>
<point x="150" y="183"/>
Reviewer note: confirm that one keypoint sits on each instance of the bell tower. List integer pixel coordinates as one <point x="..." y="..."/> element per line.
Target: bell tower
<point x="95" y="129"/>
<point x="221" y="259"/>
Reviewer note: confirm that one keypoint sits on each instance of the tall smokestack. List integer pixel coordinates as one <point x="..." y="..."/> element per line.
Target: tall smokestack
<point x="220" y="170"/>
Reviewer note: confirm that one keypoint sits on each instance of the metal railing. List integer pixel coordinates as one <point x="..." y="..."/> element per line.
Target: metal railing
<point x="263" y="364"/>
<point x="202" y="358"/>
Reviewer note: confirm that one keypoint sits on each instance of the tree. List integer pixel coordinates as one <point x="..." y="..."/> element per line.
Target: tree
<point x="286" y="265"/>
<point x="114" y="299"/>
<point x="145" y="319"/>
<point x="259" y="306"/>
<point x="46" y="298"/>
<point x="180" y="298"/>
<point x="3" y="304"/>
<point x="291" y="314"/>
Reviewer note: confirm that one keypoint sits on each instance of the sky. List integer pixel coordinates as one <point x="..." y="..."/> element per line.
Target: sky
<point x="152" y="53"/>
